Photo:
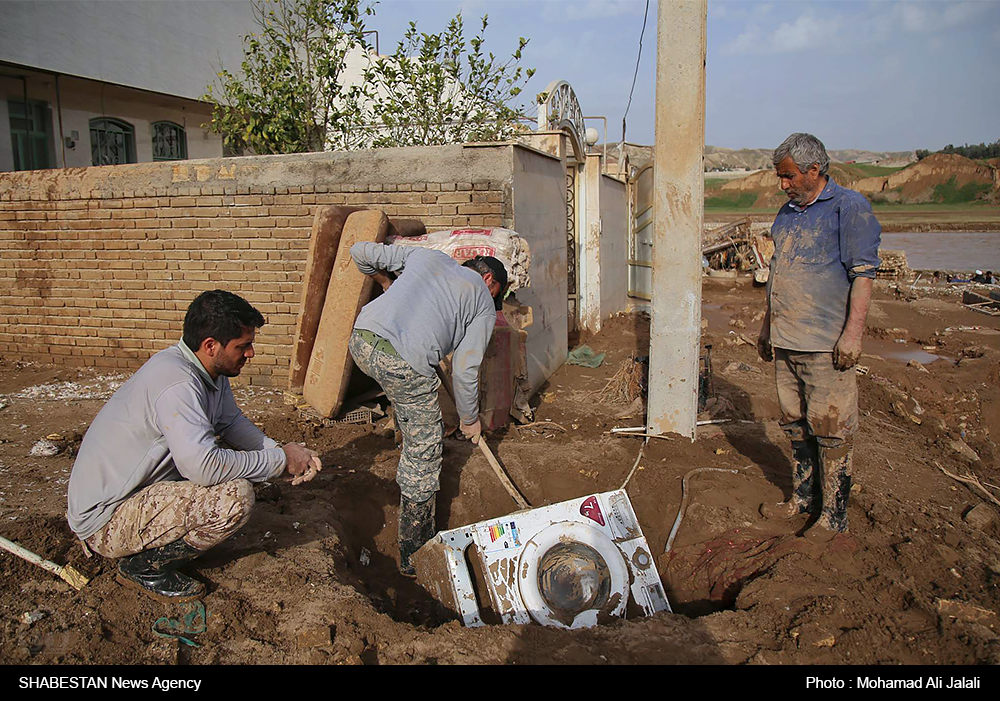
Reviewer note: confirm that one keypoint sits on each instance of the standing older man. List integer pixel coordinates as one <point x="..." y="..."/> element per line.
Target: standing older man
<point x="150" y="484"/>
<point x="826" y="241"/>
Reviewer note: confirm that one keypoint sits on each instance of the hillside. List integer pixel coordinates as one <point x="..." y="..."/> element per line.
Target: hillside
<point x="717" y="158"/>
<point x="940" y="179"/>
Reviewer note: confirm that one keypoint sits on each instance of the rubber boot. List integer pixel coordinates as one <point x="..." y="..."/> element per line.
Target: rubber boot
<point x="154" y="572"/>
<point x="835" y="463"/>
<point x="805" y="477"/>
<point x="416" y="527"/>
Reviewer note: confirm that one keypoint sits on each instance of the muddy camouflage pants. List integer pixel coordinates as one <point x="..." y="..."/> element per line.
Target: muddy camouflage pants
<point x="414" y="398"/>
<point x="167" y="511"/>
<point x="819" y="402"/>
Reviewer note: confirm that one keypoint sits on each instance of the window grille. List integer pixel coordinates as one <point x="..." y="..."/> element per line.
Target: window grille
<point x="169" y="142"/>
<point x="112" y="142"/>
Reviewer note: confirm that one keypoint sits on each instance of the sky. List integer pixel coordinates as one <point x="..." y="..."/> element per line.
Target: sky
<point x="882" y="75"/>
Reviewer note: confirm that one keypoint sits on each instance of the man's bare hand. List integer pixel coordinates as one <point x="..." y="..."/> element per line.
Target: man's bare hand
<point x="383" y="279"/>
<point x="299" y="459"/>
<point x="472" y="431"/>
<point x="764" y="349"/>
<point x="315" y="467"/>
<point x="847" y="352"/>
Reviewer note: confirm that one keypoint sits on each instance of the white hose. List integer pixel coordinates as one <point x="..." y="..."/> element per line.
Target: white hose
<point x="684" y="495"/>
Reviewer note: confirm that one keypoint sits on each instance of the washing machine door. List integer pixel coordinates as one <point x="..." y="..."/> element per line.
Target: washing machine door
<point x="570" y="575"/>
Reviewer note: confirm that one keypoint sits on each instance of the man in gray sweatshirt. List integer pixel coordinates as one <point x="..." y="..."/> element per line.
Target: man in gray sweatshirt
<point x="434" y="307"/>
<point x="150" y="484"/>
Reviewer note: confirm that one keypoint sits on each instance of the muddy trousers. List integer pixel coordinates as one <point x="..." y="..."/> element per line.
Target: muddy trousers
<point x="166" y="512"/>
<point x="819" y="413"/>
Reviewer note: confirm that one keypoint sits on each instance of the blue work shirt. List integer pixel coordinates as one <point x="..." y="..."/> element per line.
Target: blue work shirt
<point x="818" y="251"/>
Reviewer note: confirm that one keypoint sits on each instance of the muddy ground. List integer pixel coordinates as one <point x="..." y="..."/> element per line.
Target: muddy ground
<point x="916" y="582"/>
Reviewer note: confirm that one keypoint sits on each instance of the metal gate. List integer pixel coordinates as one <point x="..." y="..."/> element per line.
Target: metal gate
<point x="640" y="234"/>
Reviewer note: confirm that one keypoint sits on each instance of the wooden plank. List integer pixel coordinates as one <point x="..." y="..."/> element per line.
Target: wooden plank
<point x="330" y="364"/>
<point x="328" y="223"/>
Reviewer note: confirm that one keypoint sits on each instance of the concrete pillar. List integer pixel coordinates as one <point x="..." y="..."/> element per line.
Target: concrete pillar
<point x="678" y="211"/>
<point x="589" y="278"/>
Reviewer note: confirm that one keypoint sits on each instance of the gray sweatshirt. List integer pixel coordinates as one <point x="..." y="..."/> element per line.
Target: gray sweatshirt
<point x="435" y="307"/>
<point x="161" y="425"/>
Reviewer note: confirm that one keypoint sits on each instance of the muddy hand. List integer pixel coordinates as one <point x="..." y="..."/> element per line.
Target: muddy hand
<point x="315" y="467"/>
<point x="846" y="353"/>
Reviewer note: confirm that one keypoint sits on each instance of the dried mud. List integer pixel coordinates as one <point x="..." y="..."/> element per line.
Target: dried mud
<point x="291" y="587"/>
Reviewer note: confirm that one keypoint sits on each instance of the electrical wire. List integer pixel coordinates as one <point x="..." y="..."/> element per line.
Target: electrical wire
<point x="636" y="74"/>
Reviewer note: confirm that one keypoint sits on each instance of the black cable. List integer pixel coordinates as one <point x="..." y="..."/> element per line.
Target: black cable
<point x="636" y="75"/>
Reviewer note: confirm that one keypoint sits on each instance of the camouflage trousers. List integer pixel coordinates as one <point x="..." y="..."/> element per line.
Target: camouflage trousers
<point x="167" y="511"/>
<point x="418" y="416"/>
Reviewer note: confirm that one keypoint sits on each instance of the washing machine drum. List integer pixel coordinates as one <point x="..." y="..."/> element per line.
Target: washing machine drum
<point x="571" y="576"/>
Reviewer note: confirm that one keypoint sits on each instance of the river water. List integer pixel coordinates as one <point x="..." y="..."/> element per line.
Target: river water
<point x="949" y="250"/>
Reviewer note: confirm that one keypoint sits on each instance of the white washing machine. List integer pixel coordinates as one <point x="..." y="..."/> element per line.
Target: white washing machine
<point x="570" y="565"/>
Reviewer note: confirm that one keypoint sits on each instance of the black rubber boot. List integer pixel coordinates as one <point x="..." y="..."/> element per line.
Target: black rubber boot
<point x="805" y="479"/>
<point x="416" y="527"/>
<point x="154" y="572"/>
<point x="836" y="467"/>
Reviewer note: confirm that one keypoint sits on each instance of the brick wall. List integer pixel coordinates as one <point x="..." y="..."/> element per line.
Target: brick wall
<point x="98" y="265"/>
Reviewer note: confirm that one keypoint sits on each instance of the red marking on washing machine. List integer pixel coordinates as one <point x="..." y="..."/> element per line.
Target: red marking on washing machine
<point x="592" y="510"/>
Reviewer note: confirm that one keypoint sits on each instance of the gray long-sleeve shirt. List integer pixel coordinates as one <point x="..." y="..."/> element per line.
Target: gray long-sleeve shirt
<point x="435" y="307"/>
<point x="161" y="425"/>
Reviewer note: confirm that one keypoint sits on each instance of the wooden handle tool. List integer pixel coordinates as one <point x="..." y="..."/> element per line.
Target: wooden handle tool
<point x="67" y="573"/>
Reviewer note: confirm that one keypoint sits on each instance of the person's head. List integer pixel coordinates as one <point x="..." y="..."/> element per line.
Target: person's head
<point x="801" y="163"/>
<point x="494" y="275"/>
<point x="220" y="328"/>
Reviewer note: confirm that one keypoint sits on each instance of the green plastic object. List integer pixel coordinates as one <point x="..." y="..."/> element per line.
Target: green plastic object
<point x="585" y="356"/>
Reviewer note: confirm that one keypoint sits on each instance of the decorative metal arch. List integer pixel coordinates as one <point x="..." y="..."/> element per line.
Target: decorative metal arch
<point x="558" y="109"/>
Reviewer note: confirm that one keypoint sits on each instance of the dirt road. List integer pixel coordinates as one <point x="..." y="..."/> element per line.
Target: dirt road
<point x="917" y="582"/>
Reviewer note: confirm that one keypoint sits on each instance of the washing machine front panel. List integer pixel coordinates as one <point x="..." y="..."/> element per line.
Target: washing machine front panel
<point x="539" y="605"/>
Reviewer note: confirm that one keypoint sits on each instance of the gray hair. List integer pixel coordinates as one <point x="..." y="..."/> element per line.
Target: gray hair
<point x="805" y="149"/>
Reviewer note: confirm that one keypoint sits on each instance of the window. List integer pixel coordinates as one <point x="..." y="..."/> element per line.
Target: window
<point x="29" y="135"/>
<point x="112" y="142"/>
<point x="169" y="142"/>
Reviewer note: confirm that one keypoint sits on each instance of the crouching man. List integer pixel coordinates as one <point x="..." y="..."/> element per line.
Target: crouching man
<point x="150" y="485"/>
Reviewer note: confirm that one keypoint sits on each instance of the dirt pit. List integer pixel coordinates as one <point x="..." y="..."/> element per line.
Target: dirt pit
<point x="313" y="577"/>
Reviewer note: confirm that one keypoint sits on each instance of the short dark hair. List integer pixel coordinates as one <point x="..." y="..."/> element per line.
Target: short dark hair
<point x="489" y="264"/>
<point x="220" y="315"/>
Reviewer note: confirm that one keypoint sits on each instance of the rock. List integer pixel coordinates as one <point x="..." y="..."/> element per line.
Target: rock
<point x="962" y="448"/>
<point x="980" y="517"/>
<point x="963" y="611"/>
<point x="29" y="617"/>
<point x="737" y="366"/>
<point x="917" y="365"/>
<point x="812" y="634"/>
<point x="315" y="636"/>
<point x="899" y="410"/>
<point x="44" y="449"/>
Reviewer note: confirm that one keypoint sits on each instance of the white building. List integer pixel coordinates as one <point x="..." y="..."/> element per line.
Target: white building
<point x="112" y="81"/>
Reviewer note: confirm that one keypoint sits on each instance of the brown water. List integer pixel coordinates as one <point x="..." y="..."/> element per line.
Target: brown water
<point x="950" y="250"/>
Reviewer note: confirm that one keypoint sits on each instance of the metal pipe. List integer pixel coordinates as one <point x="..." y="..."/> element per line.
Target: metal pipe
<point x="29" y="157"/>
<point x="62" y="139"/>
